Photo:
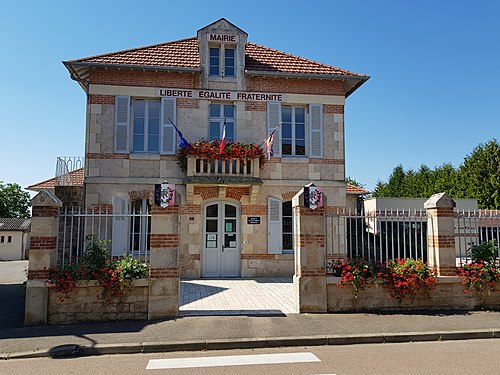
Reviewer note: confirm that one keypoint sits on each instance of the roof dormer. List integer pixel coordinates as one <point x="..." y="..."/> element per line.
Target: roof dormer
<point x="222" y="55"/>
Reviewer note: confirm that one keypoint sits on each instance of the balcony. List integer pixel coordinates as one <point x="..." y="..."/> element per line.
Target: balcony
<point x="230" y="171"/>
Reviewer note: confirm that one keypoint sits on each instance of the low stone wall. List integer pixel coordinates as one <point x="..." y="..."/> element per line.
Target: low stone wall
<point x="448" y="295"/>
<point x="83" y="305"/>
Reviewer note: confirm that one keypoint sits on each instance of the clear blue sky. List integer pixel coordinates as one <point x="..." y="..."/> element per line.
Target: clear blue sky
<point x="434" y="92"/>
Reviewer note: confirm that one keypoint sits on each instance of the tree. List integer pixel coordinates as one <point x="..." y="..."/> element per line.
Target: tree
<point x="14" y="202"/>
<point x="353" y="182"/>
<point x="480" y="175"/>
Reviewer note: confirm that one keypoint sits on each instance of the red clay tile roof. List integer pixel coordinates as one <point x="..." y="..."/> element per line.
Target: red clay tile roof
<point x="76" y="178"/>
<point x="351" y="189"/>
<point x="179" y="53"/>
<point x="184" y="53"/>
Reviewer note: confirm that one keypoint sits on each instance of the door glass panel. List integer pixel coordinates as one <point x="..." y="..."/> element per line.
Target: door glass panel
<point x="230" y="240"/>
<point x="230" y="211"/>
<point x="211" y="225"/>
<point x="230" y="225"/>
<point x="213" y="210"/>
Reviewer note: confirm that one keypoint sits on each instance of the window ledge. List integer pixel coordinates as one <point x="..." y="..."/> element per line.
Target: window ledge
<point x="145" y="156"/>
<point x="295" y="159"/>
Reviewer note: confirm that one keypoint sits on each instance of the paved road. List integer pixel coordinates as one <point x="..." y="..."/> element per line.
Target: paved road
<point x="12" y="277"/>
<point x="449" y="357"/>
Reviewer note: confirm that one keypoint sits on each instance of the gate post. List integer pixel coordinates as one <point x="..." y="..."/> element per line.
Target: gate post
<point x="164" y="283"/>
<point x="309" y="247"/>
<point x="441" y="234"/>
<point x="42" y="255"/>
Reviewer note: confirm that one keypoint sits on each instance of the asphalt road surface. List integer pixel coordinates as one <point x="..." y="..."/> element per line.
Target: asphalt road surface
<point x="448" y="357"/>
<point x="12" y="292"/>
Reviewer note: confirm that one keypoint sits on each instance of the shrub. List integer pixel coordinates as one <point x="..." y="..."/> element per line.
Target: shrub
<point x="358" y="274"/>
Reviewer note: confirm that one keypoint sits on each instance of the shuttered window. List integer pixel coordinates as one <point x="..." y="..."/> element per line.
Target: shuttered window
<point x="273" y="120"/>
<point x="122" y="124"/>
<point x="274" y="216"/>
<point x="316" y="130"/>
<point x="168" y="133"/>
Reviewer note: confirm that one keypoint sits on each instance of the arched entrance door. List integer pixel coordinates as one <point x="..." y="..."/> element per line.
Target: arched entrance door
<point x="221" y="240"/>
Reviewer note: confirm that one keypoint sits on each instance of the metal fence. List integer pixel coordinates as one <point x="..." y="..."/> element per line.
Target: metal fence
<point x="128" y="233"/>
<point x="473" y="228"/>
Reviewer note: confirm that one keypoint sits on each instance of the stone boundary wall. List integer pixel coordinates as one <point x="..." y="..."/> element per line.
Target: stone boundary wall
<point x="448" y="295"/>
<point x="83" y="305"/>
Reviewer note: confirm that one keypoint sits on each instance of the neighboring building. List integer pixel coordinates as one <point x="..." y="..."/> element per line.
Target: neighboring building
<point x="372" y="205"/>
<point x="235" y="218"/>
<point x="14" y="238"/>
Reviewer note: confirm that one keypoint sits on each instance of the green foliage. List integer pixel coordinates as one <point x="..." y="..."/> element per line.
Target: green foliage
<point x="14" y="202"/>
<point x="95" y="265"/>
<point x="353" y="182"/>
<point x="486" y="252"/>
<point x="478" y="177"/>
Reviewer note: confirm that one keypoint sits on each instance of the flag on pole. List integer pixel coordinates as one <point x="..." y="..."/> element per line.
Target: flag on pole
<point x="269" y="145"/>
<point x="223" y="139"/>
<point x="182" y="141"/>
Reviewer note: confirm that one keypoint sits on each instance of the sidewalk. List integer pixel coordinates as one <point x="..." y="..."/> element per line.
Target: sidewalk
<point x="224" y="332"/>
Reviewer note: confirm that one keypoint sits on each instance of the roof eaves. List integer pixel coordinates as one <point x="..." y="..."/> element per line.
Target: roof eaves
<point x="305" y="75"/>
<point x="133" y="67"/>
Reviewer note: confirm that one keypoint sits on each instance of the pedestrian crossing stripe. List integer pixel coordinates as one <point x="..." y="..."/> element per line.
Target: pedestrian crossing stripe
<point x="235" y="360"/>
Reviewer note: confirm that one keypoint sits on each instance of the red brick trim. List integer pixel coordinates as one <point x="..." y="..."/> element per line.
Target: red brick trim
<point x="255" y="107"/>
<point x="237" y="192"/>
<point x="191" y="209"/>
<point x="38" y="274"/>
<point x="447" y="271"/>
<point x="101" y="99"/>
<point x="258" y="256"/>
<point x="440" y="212"/>
<point x="311" y="239"/>
<point x="206" y="192"/>
<point x="164" y="241"/>
<point x="333" y="108"/>
<point x="326" y="161"/>
<point x="158" y="210"/>
<point x="139" y="194"/>
<point x="254" y="210"/>
<point x="43" y="243"/>
<point x="187" y="257"/>
<point x="164" y="272"/>
<point x="311" y="272"/>
<point x="288" y="195"/>
<point x="441" y="241"/>
<point x="45" y="211"/>
<point x="90" y="155"/>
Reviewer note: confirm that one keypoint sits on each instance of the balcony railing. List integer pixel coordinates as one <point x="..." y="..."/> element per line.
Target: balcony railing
<point x="65" y="165"/>
<point x="232" y="168"/>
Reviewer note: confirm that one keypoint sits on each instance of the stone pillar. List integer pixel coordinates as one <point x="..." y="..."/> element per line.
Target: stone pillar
<point x="42" y="255"/>
<point x="441" y="234"/>
<point x="164" y="283"/>
<point x="309" y="246"/>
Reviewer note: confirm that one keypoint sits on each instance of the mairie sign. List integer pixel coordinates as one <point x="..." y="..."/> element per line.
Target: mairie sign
<point x="221" y="95"/>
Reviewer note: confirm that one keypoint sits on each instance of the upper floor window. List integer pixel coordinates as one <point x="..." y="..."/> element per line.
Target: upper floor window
<point x="220" y="113"/>
<point x="146" y="126"/>
<point x="293" y="139"/>
<point x="222" y="61"/>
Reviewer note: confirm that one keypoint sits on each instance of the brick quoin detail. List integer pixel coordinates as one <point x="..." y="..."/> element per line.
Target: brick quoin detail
<point x="311" y="239"/>
<point x="447" y="271"/>
<point x="442" y="241"/>
<point x="311" y="272"/>
<point x="158" y="210"/>
<point x="144" y="78"/>
<point x="258" y="256"/>
<point x="236" y="192"/>
<point x="38" y="275"/>
<point x="43" y="243"/>
<point x="332" y="108"/>
<point x="164" y="273"/>
<point x="327" y="161"/>
<point x="440" y="212"/>
<point x="186" y="257"/>
<point x="296" y="86"/>
<point x="206" y="192"/>
<point x="101" y="99"/>
<point x="254" y="210"/>
<point x="44" y="211"/>
<point x="192" y="209"/>
<point x="255" y="107"/>
<point x="164" y="241"/>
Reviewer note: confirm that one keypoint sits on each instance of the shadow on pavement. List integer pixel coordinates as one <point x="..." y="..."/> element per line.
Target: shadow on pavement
<point x="12" y="305"/>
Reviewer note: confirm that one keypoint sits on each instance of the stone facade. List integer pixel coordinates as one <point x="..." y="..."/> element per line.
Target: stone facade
<point x="83" y="304"/>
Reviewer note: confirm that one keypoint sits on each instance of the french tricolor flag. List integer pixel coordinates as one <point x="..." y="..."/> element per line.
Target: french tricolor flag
<point x="223" y="139"/>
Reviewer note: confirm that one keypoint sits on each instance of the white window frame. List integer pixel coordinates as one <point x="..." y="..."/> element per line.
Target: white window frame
<point x="286" y="251"/>
<point x="220" y="120"/>
<point x="144" y="223"/>
<point x="222" y="60"/>
<point x="293" y="124"/>
<point x="146" y="127"/>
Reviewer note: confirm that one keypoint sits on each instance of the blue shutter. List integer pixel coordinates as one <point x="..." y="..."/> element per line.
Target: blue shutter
<point x="273" y="120"/>
<point x="122" y="124"/>
<point x="315" y="130"/>
<point x="168" y="134"/>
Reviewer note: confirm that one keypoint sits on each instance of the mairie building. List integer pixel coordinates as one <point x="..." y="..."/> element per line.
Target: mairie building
<point x="235" y="214"/>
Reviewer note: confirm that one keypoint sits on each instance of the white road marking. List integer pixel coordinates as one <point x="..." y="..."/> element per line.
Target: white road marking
<point x="235" y="360"/>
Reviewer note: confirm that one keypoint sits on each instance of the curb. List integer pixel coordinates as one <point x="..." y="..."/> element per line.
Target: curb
<point x="251" y="343"/>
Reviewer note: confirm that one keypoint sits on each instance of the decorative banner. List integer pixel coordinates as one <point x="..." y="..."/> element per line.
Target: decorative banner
<point x="164" y="195"/>
<point x="313" y="196"/>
